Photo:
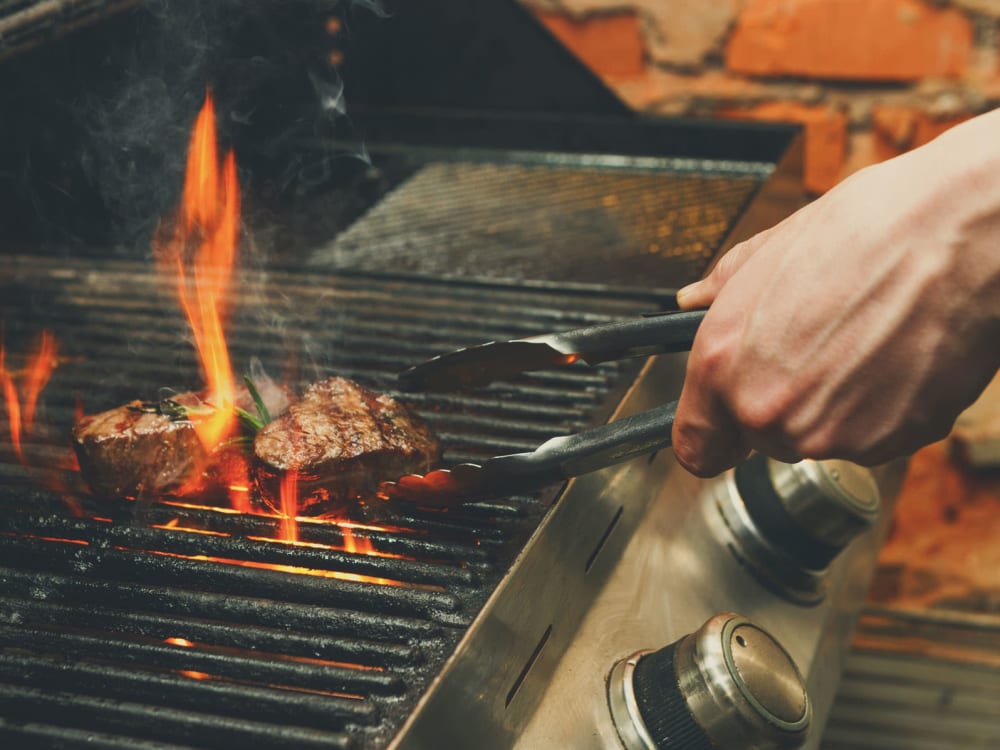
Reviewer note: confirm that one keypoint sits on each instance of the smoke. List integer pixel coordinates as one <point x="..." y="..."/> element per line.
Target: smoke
<point x="373" y="6"/>
<point x="108" y="159"/>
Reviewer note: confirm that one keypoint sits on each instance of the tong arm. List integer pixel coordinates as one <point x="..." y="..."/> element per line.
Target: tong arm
<point x="552" y="462"/>
<point x="656" y="334"/>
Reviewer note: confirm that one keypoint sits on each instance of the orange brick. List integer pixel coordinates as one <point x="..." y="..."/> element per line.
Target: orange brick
<point x="891" y="40"/>
<point x="898" y="129"/>
<point x="825" y="134"/>
<point x="611" y="45"/>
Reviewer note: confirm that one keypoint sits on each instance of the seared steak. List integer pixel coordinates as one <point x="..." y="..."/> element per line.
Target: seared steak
<point x="342" y="440"/>
<point x="133" y="449"/>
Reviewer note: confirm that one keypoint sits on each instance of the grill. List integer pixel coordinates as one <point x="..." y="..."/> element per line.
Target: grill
<point x="111" y="608"/>
<point x="516" y="206"/>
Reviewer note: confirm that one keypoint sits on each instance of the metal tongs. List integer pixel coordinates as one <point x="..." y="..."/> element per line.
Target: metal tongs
<point x="560" y="458"/>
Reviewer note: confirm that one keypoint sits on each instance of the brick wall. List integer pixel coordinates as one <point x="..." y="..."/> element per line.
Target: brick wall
<point x="869" y="79"/>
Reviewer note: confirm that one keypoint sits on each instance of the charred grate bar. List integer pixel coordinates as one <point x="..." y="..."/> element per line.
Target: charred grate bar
<point x="160" y="623"/>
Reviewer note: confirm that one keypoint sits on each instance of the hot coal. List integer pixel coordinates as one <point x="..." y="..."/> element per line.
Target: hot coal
<point x="341" y="440"/>
<point x="152" y="449"/>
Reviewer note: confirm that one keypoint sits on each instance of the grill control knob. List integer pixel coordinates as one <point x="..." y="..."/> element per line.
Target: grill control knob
<point x="728" y="686"/>
<point x="789" y="521"/>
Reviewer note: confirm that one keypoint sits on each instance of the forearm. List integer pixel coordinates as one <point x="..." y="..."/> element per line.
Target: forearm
<point x="964" y="164"/>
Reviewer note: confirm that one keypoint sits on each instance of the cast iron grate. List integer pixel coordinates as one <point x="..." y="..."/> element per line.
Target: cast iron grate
<point x="157" y="623"/>
<point x="562" y="217"/>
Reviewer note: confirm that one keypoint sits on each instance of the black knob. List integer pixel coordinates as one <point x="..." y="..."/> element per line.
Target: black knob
<point x="810" y="509"/>
<point x="728" y="686"/>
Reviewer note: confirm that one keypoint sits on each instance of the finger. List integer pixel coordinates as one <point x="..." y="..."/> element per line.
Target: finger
<point x="706" y="439"/>
<point x="703" y="293"/>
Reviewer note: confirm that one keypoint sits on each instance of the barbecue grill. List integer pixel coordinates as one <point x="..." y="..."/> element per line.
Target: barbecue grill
<point x="506" y="195"/>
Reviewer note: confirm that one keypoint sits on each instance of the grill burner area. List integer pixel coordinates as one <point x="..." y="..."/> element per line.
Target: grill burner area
<point x="135" y="624"/>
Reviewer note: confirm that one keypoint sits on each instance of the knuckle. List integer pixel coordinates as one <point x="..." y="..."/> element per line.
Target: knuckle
<point x="759" y="416"/>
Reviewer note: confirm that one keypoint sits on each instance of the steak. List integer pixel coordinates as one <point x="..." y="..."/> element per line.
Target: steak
<point x="342" y="440"/>
<point x="139" y="448"/>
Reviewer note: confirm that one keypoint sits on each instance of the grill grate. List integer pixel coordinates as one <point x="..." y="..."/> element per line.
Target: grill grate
<point x="157" y="623"/>
<point x="631" y="227"/>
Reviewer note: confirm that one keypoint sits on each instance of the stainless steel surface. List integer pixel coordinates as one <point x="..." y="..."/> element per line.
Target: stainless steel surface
<point x="492" y="684"/>
<point x="683" y="539"/>
<point x="741" y="686"/>
<point x="766" y="560"/>
<point x="827" y="501"/>
<point x="624" y="709"/>
<point x="834" y="500"/>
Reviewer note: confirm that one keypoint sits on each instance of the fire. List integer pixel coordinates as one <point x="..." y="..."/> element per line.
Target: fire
<point x="201" y="254"/>
<point x="22" y="408"/>
<point x="357" y="545"/>
<point x="39" y="371"/>
<point x="289" y="504"/>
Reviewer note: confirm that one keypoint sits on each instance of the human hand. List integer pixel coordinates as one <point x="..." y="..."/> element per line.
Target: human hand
<point x="860" y="326"/>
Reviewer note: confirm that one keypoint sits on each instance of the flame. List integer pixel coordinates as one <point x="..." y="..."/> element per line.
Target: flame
<point x="13" y="413"/>
<point x="289" y="490"/>
<point x="40" y="369"/>
<point x="21" y="411"/>
<point x="202" y="254"/>
<point x="179" y="642"/>
<point x="357" y="545"/>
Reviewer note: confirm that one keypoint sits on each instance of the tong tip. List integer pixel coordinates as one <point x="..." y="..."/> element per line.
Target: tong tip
<point x="438" y="487"/>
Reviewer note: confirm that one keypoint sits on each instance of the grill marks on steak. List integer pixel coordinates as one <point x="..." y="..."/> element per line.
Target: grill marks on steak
<point x="342" y="440"/>
<point x="125" y="451"/>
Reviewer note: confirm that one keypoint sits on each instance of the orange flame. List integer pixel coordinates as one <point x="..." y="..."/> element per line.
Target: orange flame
<point x="40" y="369"/>
<point x="202" y="253"/>
<point x="357" y="545"/>
<point x="21" y="411"/>
<point x="289" y="505"/>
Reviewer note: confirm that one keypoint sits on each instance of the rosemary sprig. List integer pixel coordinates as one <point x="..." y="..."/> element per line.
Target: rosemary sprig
<point x="249" y="422"/>
<point x="258" y="401"/>
<point x="165" y="407"/>
<point x="253" y="423"/>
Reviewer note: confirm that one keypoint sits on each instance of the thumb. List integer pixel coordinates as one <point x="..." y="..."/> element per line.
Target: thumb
<point x="703" y="293"/>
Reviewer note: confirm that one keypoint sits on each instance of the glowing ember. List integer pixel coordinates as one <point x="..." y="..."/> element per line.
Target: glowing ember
<point x="201" y="253"/>
<point x="178" y="642"/>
